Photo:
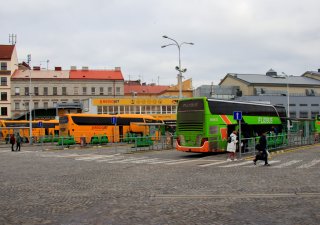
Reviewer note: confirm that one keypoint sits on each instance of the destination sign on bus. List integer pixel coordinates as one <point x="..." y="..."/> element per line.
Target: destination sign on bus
<point x="264" y="120"/>
<point x="191" y="105"/>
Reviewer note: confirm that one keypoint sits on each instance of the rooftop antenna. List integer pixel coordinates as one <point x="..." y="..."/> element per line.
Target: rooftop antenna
<point x="12" y="39"/>
<point x="47" y="61"/>
<point x="158" y="80"/>
<point x="29" y="59"/>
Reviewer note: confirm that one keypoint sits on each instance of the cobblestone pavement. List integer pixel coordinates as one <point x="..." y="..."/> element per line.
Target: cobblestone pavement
<point x="99" y="186"/>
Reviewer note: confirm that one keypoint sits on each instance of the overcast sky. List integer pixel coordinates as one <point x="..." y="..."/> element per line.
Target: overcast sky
<point x="229" y="36"/>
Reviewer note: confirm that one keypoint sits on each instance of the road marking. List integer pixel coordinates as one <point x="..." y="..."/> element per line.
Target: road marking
<point x="180" y="161"/>
<point x="23" y="151"/>
<point x="213" y="164"/>
<point x="262" y="163"/>
<point x="70" y="155"/>
<point x="164" y="161"/>
<point x="94" y="157"/>
<point x="287" y="164"/>
<point x="225" y="196"/>
<point x="310" y="164"/>
<point x="237" y="164"/>
<point x="126" y="160"/>
<point x="110" y="159"/>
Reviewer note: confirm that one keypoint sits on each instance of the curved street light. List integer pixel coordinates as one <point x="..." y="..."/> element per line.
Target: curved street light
<point x="288" y="104"/>
<point x="178" y="67"/>
<point x="26" y="67"/>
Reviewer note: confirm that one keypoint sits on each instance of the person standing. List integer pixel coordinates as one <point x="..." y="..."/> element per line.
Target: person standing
<point x="18" y="141"/>
<point x="12" y="142"/>
<point x="262" y="155"/>
<point x="232" y="146"/>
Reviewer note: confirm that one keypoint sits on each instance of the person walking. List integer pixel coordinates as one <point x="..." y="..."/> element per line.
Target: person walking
<point x="232" y="146"/>
<point x="18" y="141"/>
<point x="12" y="142"/>
<point x="262" y="148"/>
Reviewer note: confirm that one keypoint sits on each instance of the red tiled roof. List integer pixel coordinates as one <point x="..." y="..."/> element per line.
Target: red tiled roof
<point x="6" y="52"/>
<point x="144" y="89"/>
<point x="96" y="74"/>
<point x="41" y="74"/>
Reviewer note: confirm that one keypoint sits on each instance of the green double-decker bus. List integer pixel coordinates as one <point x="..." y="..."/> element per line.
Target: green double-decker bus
<point x="204" y="124"/>
<point x="317" y="125"/>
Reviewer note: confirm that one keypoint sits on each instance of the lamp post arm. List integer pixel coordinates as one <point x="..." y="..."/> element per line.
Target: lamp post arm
<point x="180" y="70"/>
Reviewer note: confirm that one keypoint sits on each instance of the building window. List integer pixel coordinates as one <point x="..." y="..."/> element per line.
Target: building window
<point x="109" y="90"/>
<point x="4" y="81"/>
<point x="110" y="109"/>
<point x="17" y="106"/>
<point x="64" y="91"/>
<point x="16" y="91"/>
<point x="4" y="111"/>
<point x="36" y="91"/>
<point x="122" y="109"/>
<point x="26" y="91"/>
<point x="26" y="104"/>
<point x="303" y="114"/>
<point x="36" y="105"/>
<point x="93" y="91"/>
<point x="55" y="91"/>
<point x="76" y="90"/>
<point x="132" y="109"/>
<point x="45" y="105"/>
<point x="54" y="104"/>
<point x="314" y="104"/>
<point x="164" y="109"/>
<point x="293" y="115"/>
<point x="4" y="66"/>
<point x="314" y="114"/>
<point x="117" y="90"/>
<point x="45" y="91"/>
<point x="99" y="109"/>
<point x="101" y="90"/>
<point x="292" y="104"/>
<point x="116" y="109"/>
<point x="84" y="90"/>
<point x="174" y="109"/>
<point x="303" y="104"/>
<point x="4" y="96"/>
<point x="138" y="109"/>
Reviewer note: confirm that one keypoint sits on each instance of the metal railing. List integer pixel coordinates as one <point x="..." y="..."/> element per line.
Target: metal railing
<point x="167" y="142"/>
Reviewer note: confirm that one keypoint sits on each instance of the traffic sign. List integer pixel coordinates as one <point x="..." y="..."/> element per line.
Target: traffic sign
<point x="40" y="124"/>
<point x="237" y="115"/>
<point x="114" y="120"/>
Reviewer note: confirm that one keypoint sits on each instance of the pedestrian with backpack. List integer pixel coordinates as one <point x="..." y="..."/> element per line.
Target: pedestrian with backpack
<point x="12" y="142"/>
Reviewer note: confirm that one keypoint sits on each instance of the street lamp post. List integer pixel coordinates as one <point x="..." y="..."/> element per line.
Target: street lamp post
<point x="178" y="67"/>
<point x="25" y="67"/>
<point x="288" y="105"/>
<point x="30" y="110"/>
<point x="288" y="95"/>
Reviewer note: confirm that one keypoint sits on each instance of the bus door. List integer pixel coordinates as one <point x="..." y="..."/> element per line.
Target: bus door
<point x="115" y="133"/>
<point x="120" y="132"/>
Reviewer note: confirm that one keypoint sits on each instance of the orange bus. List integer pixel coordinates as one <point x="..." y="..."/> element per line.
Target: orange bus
<point x="115" y="127"/>
<point x="39" y="128"/>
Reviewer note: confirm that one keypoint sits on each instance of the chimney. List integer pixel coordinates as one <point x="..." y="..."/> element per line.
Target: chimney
<point x="73" y="68"/>
<point x="117" y="68"/>
<point x="36" y="68"/>
<point x="57" y="68"/>
<point x="85" y="68"/>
